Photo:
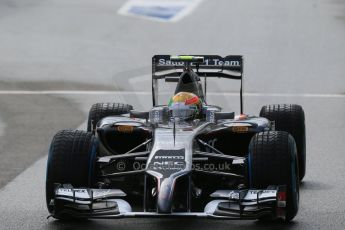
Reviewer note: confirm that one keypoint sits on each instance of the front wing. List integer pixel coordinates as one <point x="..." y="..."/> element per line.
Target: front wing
<point x="225" y="204"/>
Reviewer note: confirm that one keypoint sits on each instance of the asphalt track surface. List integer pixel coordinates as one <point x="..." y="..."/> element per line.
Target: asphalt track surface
<point x="58" y="57"/>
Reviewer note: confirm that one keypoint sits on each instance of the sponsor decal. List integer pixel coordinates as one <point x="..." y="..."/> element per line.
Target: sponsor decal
<point x="281" y="198"/>
<point x="271" y="192"/>
<point x="125" y="129"/>
<point x="211" y="62"/>
<point x="240" y="129"/>
<point x="168" y="162"/>
<point x="170" y="157"/>
<point x="234" y="195"/>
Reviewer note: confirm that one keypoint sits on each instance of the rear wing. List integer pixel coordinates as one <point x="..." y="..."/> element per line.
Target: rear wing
<point x="170" y="68"/>
<point x="231" y="66"/>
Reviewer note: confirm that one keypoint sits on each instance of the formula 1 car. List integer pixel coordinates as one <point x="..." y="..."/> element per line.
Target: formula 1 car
<point x="150" y="164"/>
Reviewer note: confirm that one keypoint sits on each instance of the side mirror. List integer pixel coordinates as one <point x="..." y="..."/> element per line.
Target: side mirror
<point x="224" y="115"/>
<point x="159" y="115"/>
<point x="172" y="79"/>
<point x="213" y="115"/>
<point x="138" y="114"/>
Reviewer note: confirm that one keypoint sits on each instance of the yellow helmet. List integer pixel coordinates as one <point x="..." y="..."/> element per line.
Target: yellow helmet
<point x="185" y="105"/>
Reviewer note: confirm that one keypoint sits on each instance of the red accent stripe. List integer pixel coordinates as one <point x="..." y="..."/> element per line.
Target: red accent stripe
<point x="192" y="100"/>
<point x="281" y="196"/>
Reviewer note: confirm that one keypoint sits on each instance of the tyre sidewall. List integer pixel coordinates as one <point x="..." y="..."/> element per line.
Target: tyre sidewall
<point x="83" y="158"/>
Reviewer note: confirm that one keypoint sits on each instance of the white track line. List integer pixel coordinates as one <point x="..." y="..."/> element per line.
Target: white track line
<point x="81" y="92"/>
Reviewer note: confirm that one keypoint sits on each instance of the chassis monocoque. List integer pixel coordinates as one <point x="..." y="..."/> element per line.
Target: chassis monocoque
<point x="146" y="164"/>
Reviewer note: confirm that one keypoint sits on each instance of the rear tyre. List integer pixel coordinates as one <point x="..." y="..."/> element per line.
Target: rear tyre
<point x="102" y="110"/>
<point x="70" y="161"/>
<point x="290" y="118"/>
<point x="272" y="160"/>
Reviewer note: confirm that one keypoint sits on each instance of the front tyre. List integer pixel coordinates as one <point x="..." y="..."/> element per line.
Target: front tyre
<point x="70" y="161"/>
<point x="290" y="118"/>
<point x="99" y="111"/>
<point x="272" y="160"/>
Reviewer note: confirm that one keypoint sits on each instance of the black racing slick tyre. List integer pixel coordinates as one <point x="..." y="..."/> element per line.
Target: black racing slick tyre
<point x="99" y="111"/>
<point x="70" y="161"/>
<point x="290" y="118"/>
<point x="272" y="161"/>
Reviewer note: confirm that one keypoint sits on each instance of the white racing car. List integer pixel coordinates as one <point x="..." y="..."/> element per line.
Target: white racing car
<point x="186" y="158"/>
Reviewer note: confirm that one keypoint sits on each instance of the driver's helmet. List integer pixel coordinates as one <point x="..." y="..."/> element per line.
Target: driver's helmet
<point x="185" y="106"/>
